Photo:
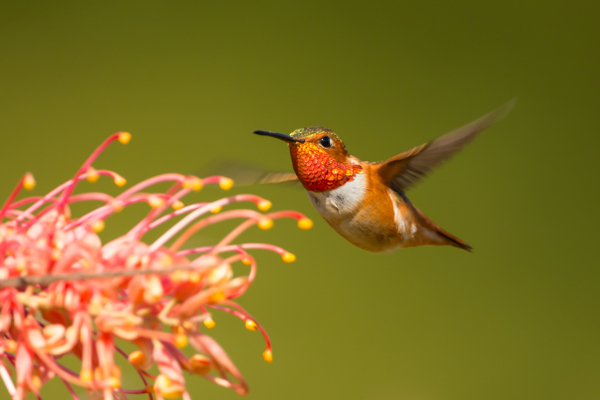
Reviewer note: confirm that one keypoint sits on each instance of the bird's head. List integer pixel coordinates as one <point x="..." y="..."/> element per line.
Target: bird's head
<point x="319" y="157"/>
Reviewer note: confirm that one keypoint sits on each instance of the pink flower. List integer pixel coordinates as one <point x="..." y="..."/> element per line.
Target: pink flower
<point x="88" y="293"/>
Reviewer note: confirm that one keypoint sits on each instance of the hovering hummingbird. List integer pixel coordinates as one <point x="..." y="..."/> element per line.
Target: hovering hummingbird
<point x="365" y="202"/>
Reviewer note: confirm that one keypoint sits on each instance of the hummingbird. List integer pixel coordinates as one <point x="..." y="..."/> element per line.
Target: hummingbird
<point x="365" y="202"/>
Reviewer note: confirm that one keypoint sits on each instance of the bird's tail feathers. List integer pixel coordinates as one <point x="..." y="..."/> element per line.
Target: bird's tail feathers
<point x="445" y="237"/>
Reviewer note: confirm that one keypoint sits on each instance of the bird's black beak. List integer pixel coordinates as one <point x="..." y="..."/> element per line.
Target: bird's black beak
<point x="281" y="136"/>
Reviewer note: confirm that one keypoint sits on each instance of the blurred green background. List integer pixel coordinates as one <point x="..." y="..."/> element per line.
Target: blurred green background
<point x="516" y="319"/>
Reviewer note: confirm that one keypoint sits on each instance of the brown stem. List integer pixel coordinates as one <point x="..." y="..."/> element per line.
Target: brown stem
<point x="45" y="280"/>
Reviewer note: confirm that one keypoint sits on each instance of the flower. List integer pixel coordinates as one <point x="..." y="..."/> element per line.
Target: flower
<point x="62" y="291"/>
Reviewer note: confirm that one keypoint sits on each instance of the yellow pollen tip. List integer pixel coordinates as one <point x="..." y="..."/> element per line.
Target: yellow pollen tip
<point x="195" y="277"/>
<point x="180" y="341"/>
<point x="28" y="181"/>
<point x="120" y="181"/>
<point x="55" y="254"/>
<point x="250" y="325"/>
<point x="268" y="356"/>
<point x="163" y="384"/>
<point x="264" y="205"/>
<point x="92" y="175"/>
<point x="217" y="297"/>
<point x="225" y="183"/>
<point x="177" y="204"/>
<point x="117" y="206"/>
<point x="174" y="394"/>
<point x="155" y="201"/>
<point x="305" y="223"/>
<point x="124" y="137"/>
<point x="86" y="375"/>
<point x="36" y="381"/>
<point x="209" y="323"/>
<point x="150" y="389"/>
<point x="193" y="183"/>
<point x="216" y="209"/>
<point x="10" y="345"/>
<point x="246" y="261"/>
<point x="97" y="226"/>
<point x="136" y="358"/>
<point x="114" y="383"/>
<point x="21" y="265"/>
<point x="265" y="224"/>
<point x="288" y="258"/>
<point x="199" y="364"/>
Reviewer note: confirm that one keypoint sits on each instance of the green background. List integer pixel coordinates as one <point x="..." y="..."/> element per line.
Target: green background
<point x="516" y="319"/>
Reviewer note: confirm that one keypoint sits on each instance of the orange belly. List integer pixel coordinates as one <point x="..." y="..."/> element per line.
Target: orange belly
<point x="371" y="225"/>
<point x="384" y="222"/>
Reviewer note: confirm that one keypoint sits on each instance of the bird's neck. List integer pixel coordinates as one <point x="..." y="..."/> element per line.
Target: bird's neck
<point x="318" y="171"/>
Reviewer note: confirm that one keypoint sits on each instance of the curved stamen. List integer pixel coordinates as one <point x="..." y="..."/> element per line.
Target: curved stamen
<point x="123" y="137"/>
<point x="217" y="203"/>
<point x="25" y="181"/>
<point x="195" y="214"/>
<point x="65" y="185"/>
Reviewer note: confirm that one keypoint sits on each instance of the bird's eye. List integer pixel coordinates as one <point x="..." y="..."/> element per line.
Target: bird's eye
<point x="325" y="141"/>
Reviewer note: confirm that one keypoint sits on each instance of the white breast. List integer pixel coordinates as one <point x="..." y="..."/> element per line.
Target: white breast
<point x="342" y="200"/>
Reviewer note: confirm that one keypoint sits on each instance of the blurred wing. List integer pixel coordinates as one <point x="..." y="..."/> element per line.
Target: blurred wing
<point x="406" y="169"/>
<point x="278" y="177"/>
<point x="246" y="174"/>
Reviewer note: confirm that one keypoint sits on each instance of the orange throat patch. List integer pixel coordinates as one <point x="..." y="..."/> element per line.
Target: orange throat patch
<point x="318" y="171"/>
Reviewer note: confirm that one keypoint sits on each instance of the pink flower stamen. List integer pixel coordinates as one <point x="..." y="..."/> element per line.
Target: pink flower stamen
<point x="49" y="197"/>
<point x="22" y="183"/>
<point x="54" y="265"/>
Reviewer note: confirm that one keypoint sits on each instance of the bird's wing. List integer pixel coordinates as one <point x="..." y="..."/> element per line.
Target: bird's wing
<point x="277" y="177"/>
<point x="246" y="174"/>
<point x="406" y="169"/>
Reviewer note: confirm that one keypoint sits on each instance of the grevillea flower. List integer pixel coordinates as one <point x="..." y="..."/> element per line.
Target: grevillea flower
<point x="62" y="291"/>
